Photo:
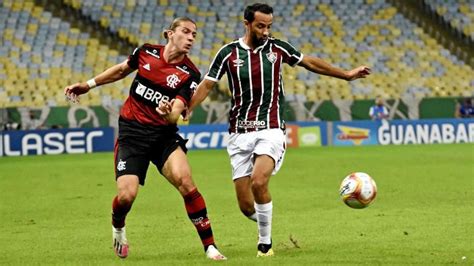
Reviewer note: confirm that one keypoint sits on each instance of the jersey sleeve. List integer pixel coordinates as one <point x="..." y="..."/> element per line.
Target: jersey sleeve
<point x="133" y="58"/>
<point x="291" y="56"/>
<point x="188" y="88"/>
<point x="217" y="68"/>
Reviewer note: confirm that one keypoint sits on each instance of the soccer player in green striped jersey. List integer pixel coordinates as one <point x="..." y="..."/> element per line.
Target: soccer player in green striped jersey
<point x="257" y="145"/>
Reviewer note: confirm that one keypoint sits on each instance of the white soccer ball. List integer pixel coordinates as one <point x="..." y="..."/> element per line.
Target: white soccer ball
<point x="358" y="190"/>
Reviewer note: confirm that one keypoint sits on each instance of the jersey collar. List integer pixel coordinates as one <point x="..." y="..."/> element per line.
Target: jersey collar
<point x="246" y="47"/>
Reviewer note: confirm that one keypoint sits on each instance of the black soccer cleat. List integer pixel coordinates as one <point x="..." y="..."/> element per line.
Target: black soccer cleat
<point x="264" y="250"/>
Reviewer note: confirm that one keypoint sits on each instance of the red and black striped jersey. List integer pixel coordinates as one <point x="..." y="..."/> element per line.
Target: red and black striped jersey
<point x="157" y="80"/>
<point x="255" y="80"/>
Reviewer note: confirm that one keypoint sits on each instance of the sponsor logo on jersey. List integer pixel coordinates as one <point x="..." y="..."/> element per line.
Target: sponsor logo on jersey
<point x="153" y="53"/>
<point x="238" y="62"/>
<point x="172" y="81"/>
<point x="272" y="57"/>
<point x="140" y="90"/>
<point x="150" y="94"/>
<point x="251" y="124"/>
<point x="183" y="69"/>
<point x="147" y="67"/>
<point x="193" y="86"/>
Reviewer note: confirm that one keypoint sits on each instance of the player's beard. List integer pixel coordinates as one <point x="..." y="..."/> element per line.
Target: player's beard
<point x="258" y="41"/>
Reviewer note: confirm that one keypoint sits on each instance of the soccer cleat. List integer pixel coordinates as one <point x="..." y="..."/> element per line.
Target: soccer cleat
<point x="120" y="242"/>
<point x="214" y="254"/>
<point x="264" y="250"/>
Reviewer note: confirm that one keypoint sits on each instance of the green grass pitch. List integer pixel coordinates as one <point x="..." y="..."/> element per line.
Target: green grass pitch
<point x="55" y="210"/>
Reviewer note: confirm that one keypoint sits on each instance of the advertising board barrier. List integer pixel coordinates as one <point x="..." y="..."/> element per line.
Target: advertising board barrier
<point x="216" y="136"/>
<point x="445" y="131"/>
<point x="56" y="141"/>
<point x="403" y="132"/>
<point x="205" y="136"/>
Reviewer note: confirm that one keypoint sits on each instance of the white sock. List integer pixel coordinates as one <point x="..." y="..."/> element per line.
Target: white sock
<point x="253" y="217"/>
<point x="264" y="221"/>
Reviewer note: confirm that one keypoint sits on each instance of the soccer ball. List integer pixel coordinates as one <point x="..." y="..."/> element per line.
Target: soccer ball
<point x="358" y="190"/>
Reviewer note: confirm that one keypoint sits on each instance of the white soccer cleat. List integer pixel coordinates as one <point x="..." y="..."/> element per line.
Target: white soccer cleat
<point x="120" y="242"/>
<point x="214" y="254"/>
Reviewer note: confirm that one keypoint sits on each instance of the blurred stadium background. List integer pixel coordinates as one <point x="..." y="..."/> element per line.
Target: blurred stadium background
<point x="421" y="53"/>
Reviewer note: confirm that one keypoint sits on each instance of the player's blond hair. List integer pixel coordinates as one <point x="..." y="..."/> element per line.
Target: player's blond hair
<point x="176" y="23"/>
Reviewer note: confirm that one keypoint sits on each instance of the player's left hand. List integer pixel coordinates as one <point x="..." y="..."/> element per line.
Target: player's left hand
<point x="164" y="107"/>
<point x="359" y="72"/>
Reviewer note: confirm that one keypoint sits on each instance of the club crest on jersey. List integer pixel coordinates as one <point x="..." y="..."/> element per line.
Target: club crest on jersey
<point x="238" y="62"/>
<point x="272" y="57"/>
<point x="172" y="81"/>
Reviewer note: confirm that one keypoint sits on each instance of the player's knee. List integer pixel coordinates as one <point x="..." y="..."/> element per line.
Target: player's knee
<point x="127" y="186"/>
<point x="185" y="184"/>
<point x="259" y="185"/>
<point x="127" y="196"/>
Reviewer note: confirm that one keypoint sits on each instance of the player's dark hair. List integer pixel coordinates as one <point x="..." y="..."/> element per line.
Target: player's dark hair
<point x="249" y="13"/>
<point x="176" y="22"/>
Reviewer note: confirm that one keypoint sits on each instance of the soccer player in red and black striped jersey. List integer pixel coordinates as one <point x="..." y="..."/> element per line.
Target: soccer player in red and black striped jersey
<point x="146" y="133"/>
<point x="256" y="145"/>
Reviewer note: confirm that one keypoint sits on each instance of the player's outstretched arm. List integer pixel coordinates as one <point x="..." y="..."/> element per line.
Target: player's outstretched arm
<point x="319" y="66"/>
<point x="110" y="75"/>
<point x="202" y="90"/>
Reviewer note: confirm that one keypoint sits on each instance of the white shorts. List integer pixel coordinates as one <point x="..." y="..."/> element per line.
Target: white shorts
<point x="242" y="148"/>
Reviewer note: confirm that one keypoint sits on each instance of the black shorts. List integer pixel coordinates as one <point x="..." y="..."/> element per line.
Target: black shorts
<point x="138" y="144"/>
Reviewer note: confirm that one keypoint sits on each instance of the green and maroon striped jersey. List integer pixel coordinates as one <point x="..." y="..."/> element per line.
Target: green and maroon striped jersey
<point x="255" y="80"/>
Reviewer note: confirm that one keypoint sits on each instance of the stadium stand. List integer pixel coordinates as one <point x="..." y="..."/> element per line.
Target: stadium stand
<point x="458" y="13"/>
<point x="43" y="53"/>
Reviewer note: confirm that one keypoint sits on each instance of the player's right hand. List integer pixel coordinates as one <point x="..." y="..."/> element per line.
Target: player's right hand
<point x="73" y="91"/>
<point x="164" y="107"/>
